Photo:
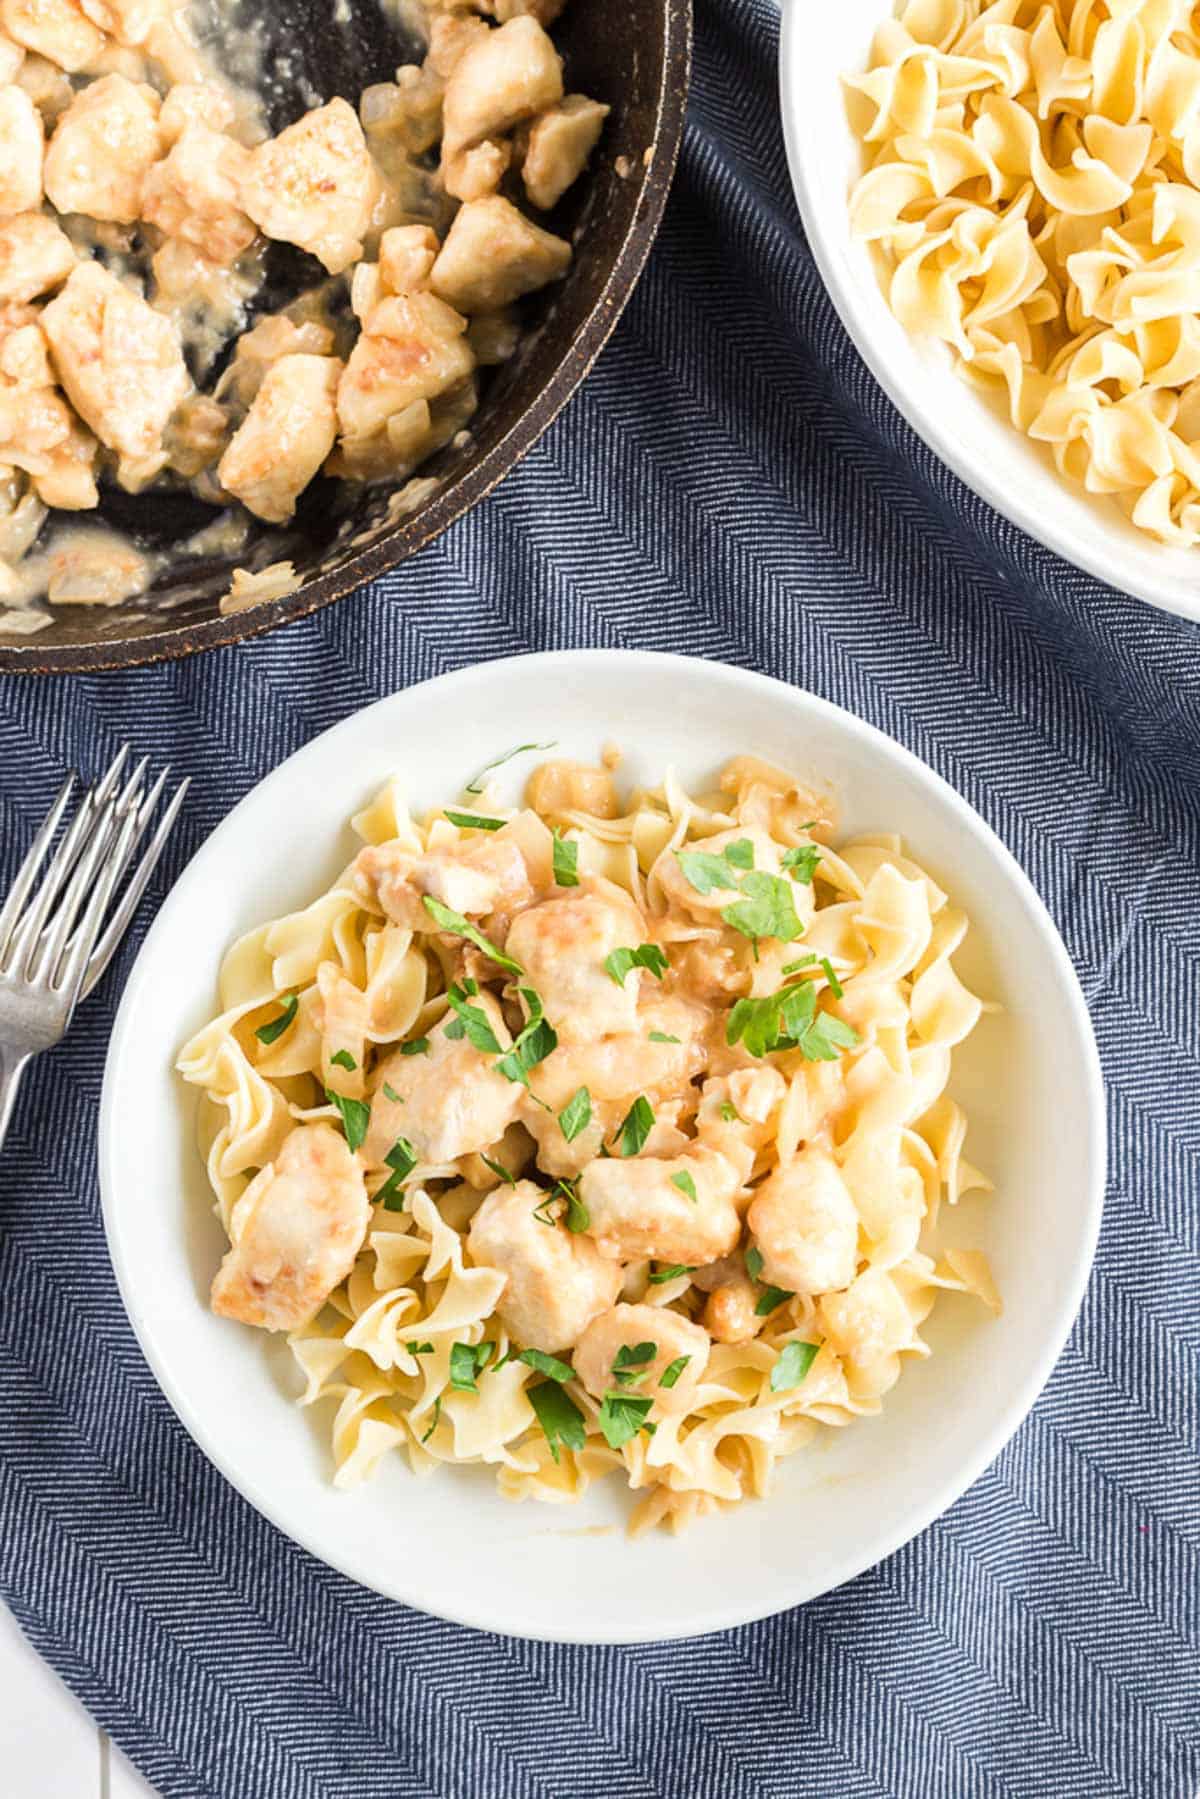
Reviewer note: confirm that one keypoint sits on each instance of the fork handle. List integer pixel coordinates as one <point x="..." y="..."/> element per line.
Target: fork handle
<point x="12" y="1066"/>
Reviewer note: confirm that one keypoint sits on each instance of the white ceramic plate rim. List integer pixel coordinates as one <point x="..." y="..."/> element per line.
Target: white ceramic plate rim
<point x="457" y="688"/>
<point x="1175" y="589"/>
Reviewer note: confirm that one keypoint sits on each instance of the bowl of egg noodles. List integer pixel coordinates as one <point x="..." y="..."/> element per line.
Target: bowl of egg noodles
<point x="1003" y="202"/>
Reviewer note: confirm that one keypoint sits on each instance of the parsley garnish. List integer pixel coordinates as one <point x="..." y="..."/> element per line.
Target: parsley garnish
<point x="686" y="1185"/>
<point x="498" y="1168"/>
<point x="275" y="1027"/>
<point x="739" y="854"/>
<point x="356" y="1117"/>
<point x="467" y="1361"/>
<point x="578" y="1216"/>
<point x="730" y="1113"/>
<point x="636" y="1126"/>
<point x="806" y="961"/>
<point x="770" y="1300"/>
<point x="447" y="919"/>
<point x="544" y="1210"/>
<point x="789" y="1019"/>
<point x="566" y="862"/>
<point x="793" y="1363"/>
<point x="622" y="1416"/>
<point x="476" y="786"/>
<point x="474" y="821"/>
<point x="704" y="871"/>
<point x="629" y="1365"/>
<point x="433" y="1422"/>
<point x="801" y="862"/>
<point x="560" y="1418"/>
<point x="401" y="1158"/>
<point x="472" y="1021"/>
<point x="417" y="1046"/>
<point x="343" y="1059"/>
<point x="415" y="1348"/>
<point x="576" y="1115"/>
<point x="534" y="1044"/>
<point x="764" y="910"/>
<point x="835" y="986"/>
<point x="669" y="1274"/>
<point x="673" y="1370"/>
<point x="662" y="1037"/>
<point x="389" y="1092"/>
<point x="754" y="1263"/>
<point x="646" y="955"/>
<point x="541" y="1363"/>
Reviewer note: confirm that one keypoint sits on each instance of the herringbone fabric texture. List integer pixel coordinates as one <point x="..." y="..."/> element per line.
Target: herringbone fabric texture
<point x="730" y="483"/>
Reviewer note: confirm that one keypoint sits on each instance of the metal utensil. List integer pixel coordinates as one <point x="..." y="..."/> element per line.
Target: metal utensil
<point x="64" y="917"/>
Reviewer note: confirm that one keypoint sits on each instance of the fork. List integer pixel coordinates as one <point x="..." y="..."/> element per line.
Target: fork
<point x="56" y="933"/>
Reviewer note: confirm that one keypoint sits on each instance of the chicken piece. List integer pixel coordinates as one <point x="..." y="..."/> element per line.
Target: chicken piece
<point x="55" y="29"/>
<point x="477" y="171"/>
<point x="21" y="147"/>
<point x="297" y="1229"/>
<point x="34" y="257"/>
<point x="194" y="103"/>
<point x="637" y="1210"/>
<point x="558" y="787"/>
<point x="475" y="876"/>
<point x="805" y="1223"/>
<point x="403" y="118"/>
<point x="197" y="436"/>
<point x="674" y="1338"/>
<point x="102" y="149"/>
<point x="493" y="254"/>
<point x="451" y="1101"/>
<point x="556" y="1282"/>
<point x="121" y="364"/>
<point x="271" y="338"/>
<point x="193" y="194"/>
<point x="560" y="142"/>
<point x="315" y="185"/>
<point x="89" y="566"/>
<point x="407" y="253"/>
<point x="451" y="35"/>
<point x="35" y="422"/>
<point x="285" y="437"/>
<point x="130" y="22"/>
<point x="562" y="945"/>
<point x="729" y="1311"/>
<point x="494" y="337"/>
<point x="868" y="1325"/>
<point x="504" y="76"/>
<point x="736" y="1111"/>
<point x="412" y="347"/>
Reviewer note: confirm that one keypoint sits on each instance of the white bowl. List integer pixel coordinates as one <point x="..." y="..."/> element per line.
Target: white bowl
<point x="451" y="1545"/>
<point x="975" y="439"/>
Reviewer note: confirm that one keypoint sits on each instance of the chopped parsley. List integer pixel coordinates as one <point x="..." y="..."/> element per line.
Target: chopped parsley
<point x="415" y="1348"/>
<point x="801" y="862"/>
<point x="549" y="1365"/>
<point x="706" y="872"/>
<point x="545" y="1210"/>
<point x="474" y="821"/>
<point x="275" y="1027"/>
<point x="754" y="1263"/>
<point x="566" y="862"/>
<point x="835" y="986"/>
<point x="629" y="1364"/>
<point x="401" y="1158"/>
<point x="793" y="1363"/>
<point x="471" y="1021"/>
<point x="447" y="919"/>
<point x="389" y="1092"/>
<point x="533" y="1045"/>
<point x="467" y="1362"/>
<point x="646" y="955"/>
<point x="739" y="854"/>
<point x="673" y="1370"/>
<point x="560" y="1418"/>
<point x="433" y="1422"/>
<point x="764" y="910"/>
<point x="770" y="1300"/>
<point x="416" y="1046"/>
<point x="805" y="961"/>
<point x="789" y="1019"/>
<point x="730" y="1113"/>
<point x="576" y="1115"/>
<point x="343" y="1059"/>
<point x="686" y="1185"/>
<point x="356" y="1117"/>
<point x="477" y="785"/>
<point x="671" y="1273"/>
<point x="662" y="1037"/>
<point x="578" y="1216"/>
<point x="498" y="1169"/>
<point x="622" y="1416"/>
<point x="636" y="1126"/>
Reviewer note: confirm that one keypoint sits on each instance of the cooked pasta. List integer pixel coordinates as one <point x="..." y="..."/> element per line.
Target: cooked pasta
<point x="595" y="1136"/>
<point x="1034" y="198"/>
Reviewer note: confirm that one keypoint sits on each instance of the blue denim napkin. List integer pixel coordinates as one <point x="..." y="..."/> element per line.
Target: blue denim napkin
<point x="730" y="483"/>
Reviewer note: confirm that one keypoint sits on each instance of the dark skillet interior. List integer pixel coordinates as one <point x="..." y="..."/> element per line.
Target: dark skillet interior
<point x="635" y="57"/>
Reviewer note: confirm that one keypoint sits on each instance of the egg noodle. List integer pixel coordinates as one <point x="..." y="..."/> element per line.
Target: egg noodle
<point x="1034" y="195"/>
<point x="652" y="1188"/>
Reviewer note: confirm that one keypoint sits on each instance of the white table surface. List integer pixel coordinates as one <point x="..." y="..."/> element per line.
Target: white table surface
<point x="49" y="1747"/>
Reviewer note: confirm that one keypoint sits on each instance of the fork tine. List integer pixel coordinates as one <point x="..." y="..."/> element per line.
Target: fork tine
<point x="70" y="977"/>
<point x="36" y="956"/>
<point x="27" y="873"/>
<point x="103" y="953"/>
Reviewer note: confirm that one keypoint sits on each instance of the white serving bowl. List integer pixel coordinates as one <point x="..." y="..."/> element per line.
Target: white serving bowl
<point x="1029" y="1078"/>
<point x="971" y="436"/>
